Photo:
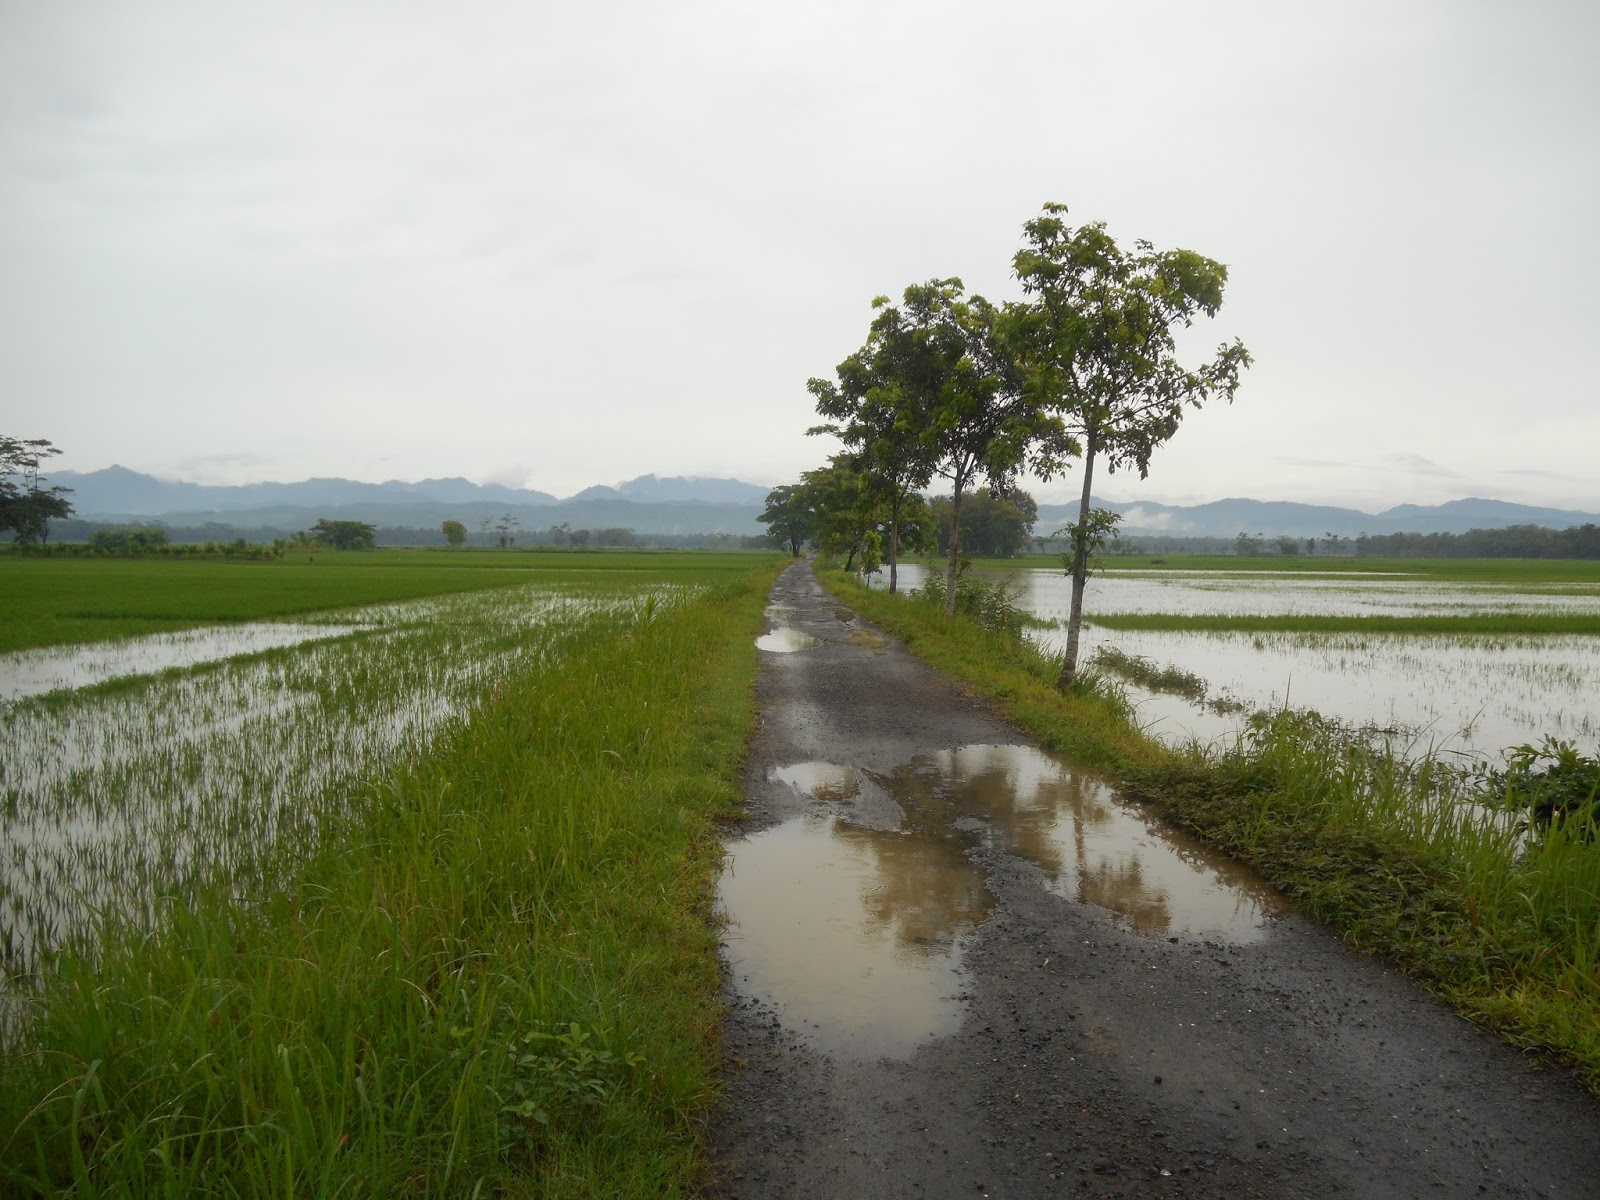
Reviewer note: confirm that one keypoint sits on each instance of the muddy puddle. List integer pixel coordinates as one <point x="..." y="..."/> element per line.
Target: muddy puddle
<point x="851" y="918"/>
<point x="33" y="672"/>
<point x="784" y="638"/>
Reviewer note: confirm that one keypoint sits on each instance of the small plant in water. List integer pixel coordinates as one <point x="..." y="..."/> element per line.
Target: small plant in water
<point x="1552" y="784"/>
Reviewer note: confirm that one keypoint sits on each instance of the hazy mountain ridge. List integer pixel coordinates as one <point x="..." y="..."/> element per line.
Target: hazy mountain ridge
<point x="680" y="504"/>
<point x="1279" y="518"/>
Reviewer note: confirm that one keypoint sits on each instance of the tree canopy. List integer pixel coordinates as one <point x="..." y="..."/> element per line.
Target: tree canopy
<point x="1086" y="366"/>
<point x="1097" y="345"/>
<point x="344" y="535"/>
<point x="979" y="421"/>
<point x="26" y="506"/>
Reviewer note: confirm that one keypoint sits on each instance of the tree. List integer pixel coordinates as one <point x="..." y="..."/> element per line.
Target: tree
<point x="880" y="409"/>
<point x="993" y="525"/>
<point x="979" y="421"/>
<point x="1098" y="347"/>
<point x="26" y="506"/>
<point x="848" y="512"/>
<point x="505" y="535"/>
<point x="454" y="532"/>
<point x="789" y="517"/>
<point x="345" y="535"/>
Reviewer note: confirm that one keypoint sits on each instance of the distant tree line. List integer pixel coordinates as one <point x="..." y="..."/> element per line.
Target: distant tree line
<point x="1514" y="541"/>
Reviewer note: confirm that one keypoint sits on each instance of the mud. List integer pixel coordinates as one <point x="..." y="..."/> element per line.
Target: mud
<point x="939" y="987"/>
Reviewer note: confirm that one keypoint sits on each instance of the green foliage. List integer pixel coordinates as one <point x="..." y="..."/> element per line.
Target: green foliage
<point x="993" y="524"/>
<point x="1552" y="784"/>
<point x="1138" y="669"/>
<point x="1098" y="349"/>
<point x="990" y="603"/>
<point x="455" y="533"/>
<point x="138" y="540"/>
<point x="1515" y="541"/>
<point x="790" y="516"/>
<point x="344" y="535"/>
<point x="26" y="506"/>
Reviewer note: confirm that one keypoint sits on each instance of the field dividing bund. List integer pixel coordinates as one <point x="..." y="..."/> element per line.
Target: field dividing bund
<point x="470" y="952"/>
<point x="1404" y="854"/>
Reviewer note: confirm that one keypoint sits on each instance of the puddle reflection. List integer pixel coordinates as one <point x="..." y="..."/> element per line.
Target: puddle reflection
<point x="855" y="933"/>
<point x="785" y="639"/>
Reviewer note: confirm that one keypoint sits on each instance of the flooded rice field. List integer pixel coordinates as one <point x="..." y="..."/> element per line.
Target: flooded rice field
<point x="851" y="918"/>
<point x="222" y="746"/>
<point x="1470" y="695"/>
<point x="54" y="668"/>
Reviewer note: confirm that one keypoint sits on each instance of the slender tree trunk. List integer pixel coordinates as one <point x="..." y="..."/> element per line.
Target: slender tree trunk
<point x="1080" y="567"/>
<point x="894" y="544"/>
<point x="955" y="550"/>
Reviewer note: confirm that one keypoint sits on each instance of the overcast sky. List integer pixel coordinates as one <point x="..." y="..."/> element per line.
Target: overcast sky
<point x="555" y="245"/>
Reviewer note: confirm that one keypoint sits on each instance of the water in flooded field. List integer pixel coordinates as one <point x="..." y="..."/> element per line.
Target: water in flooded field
<point x="112" y="800"/>
<point x="855" y="931"/>
<point x="27" y="673"/>
<point x="1469" y="694"/>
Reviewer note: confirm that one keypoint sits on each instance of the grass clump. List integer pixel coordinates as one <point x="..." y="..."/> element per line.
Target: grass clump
<point x="1138" y="669"/>
<point x="493" y="972"/>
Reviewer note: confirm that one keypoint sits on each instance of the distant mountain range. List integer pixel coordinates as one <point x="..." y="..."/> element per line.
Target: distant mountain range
<point x="679" y="505"/>
<point x="648" y="504"/>
<point x="1279" y="518"/>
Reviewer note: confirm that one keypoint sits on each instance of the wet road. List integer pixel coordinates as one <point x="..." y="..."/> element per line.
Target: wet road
<point x="960" y="968"/>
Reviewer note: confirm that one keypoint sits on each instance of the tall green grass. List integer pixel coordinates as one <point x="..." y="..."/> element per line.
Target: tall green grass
<point x="1405" y="856"/>
<point x="494" y="974"/>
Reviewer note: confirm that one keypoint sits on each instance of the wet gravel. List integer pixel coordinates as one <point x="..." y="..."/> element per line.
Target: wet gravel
<point x="1093" y="1061"/>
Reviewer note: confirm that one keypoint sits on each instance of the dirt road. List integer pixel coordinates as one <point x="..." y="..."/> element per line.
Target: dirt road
<point x="958" y="968"/>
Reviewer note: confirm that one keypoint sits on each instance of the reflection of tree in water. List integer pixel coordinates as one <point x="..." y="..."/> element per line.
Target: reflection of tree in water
<point x="1117" y="883"/>
<point x="1025" y="800"/>
<point x="923" y="890"/>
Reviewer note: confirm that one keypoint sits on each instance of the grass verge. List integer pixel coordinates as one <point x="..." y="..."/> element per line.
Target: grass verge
<point x="496" y="975"/>
<point x="1384" y="849"/>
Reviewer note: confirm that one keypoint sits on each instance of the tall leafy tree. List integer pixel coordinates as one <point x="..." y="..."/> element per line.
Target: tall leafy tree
<point x="26" y="506"/>
<point x="850" y="511"/>
<point x="1097" y="345"/>
<point x="789" y="516"/>
<point x="345" y="535"/>
<point x="978" y="421"/>
<point x="880" y="408"/>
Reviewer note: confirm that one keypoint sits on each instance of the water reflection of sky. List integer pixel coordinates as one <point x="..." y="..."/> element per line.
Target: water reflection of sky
<point x="26" y="673"/>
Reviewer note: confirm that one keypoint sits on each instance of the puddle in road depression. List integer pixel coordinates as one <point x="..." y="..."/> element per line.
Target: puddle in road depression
<point x="786" y="639"/>
<point x="855" y="934"/>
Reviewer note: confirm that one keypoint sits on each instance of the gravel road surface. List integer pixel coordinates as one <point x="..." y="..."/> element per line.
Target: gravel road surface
<point x="957" y="968"/>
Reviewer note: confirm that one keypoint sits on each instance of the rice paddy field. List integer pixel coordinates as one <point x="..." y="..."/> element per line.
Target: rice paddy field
<point x="1464" y="658"/>
<point x="382" y="873"/>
